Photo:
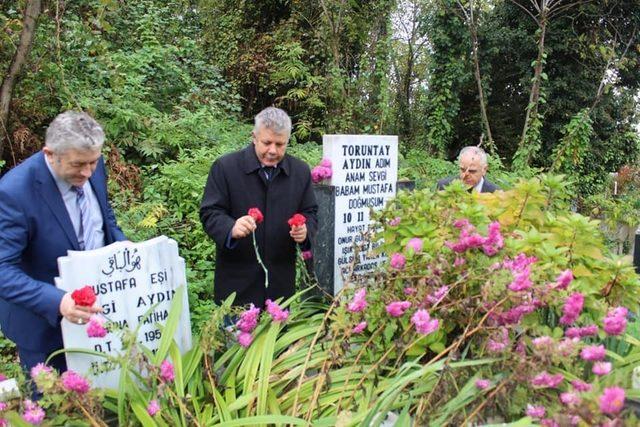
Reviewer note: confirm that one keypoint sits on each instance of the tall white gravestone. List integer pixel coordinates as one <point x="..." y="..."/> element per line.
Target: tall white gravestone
<point x="365" y="172"/>
<point x="128" y="279"/>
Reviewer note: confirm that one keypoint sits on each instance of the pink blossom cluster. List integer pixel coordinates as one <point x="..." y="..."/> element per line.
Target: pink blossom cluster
<point x="246" y="324"/>
<point x="563" y="280"/>
<point x="572" y="308"/>
<point x="359" y="327"/>
<point x="277" y="314"/>
<point x="153" y="408"/>
<point x="581" y="332"/>
<point x="395" y="221"/>
<point x="482" y="383"/>
<point x="414" y="245"/>
<point x="515" y="314"/>
<point x="593" y="353"/>
<point x="423" y="323"/>
<point x="543" y="343"/>
<point x="536" y="411"/>
<point x="469" y="239"/>
<point x="43" y="376"/>
<point x="166" y="371"/>
<point x="567" y="347"/>
<point x="307" y="255"/>
<point x="615" y="322"/>
<point x="494" y="241"/>
<point x="72" y="381"/>
<point x="500" y="343"/>
<point x="248" y="319"/>
<point x="601" y="368"/>
<point x="397" y="308"/>
<point x="95" y="327"/>
<point x="546" y="380"/>
<point x="581" y="386"/>
<point x="322" y="171"/>
<point x="33" y="413"/>
<point x="438" y="295"/>
<point x="612" y="400"/>
<point x="398" y="261"/>
<point x="359" y="301"/>
<point x="570" y="399"/>
<point x="520" y="268"/>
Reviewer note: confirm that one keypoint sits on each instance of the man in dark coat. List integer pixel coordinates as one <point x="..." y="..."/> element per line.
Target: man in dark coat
<point x="53" y="202"/>
<point x="473" y="168"/>
<point x="260" y="176"/>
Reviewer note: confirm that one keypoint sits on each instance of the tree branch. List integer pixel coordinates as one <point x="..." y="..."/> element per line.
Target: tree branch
<point x="31" y="12"/>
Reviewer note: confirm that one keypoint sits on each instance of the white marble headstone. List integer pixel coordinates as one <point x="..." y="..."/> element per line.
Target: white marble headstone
<point x="365" y="172"/>
<point x="128" y="279"/>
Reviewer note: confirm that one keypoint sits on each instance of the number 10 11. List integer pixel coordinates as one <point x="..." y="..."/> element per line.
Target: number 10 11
<point x="347" y="217"/>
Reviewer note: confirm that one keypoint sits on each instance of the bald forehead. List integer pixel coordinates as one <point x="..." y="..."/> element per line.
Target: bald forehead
<point x="471" y="157"/>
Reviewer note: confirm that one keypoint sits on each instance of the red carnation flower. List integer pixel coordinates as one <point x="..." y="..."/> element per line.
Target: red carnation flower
<point x="256" y="214"/>
<point x="84" y="296"/>
<point x="297" y="220"/>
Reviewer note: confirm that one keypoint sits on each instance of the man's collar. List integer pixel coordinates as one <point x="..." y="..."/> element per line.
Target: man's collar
<point x="478" y="187"/>
<point x="251" y="162"/>
<point x="63" y="186"/>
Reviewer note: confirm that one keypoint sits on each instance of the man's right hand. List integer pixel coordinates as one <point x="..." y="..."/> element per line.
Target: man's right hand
<point x="244" y="226"/>
<point x="76" y="313"/>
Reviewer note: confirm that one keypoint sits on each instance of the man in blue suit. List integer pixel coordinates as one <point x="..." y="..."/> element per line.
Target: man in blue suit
<point x="54" y="201"/>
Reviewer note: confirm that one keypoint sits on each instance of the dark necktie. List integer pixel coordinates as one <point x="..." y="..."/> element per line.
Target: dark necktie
<point x="82" y="203"/>
<point x="269" y="172"/>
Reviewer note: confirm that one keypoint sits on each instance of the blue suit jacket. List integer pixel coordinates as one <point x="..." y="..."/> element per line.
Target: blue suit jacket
<point x="35" y="229"/>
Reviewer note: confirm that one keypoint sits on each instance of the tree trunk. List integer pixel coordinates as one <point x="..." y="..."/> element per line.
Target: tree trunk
<point x="31" y="12"/>
<point x="476" y="62"/>
<point x="534" y="97"/>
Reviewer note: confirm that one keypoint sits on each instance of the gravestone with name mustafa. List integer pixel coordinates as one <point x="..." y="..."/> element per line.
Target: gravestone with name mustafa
<point x="365" y="173"/>
<point x="129" y="279"/>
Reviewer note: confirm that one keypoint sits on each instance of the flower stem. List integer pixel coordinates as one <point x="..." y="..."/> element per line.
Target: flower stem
<point x="266" y="272"/>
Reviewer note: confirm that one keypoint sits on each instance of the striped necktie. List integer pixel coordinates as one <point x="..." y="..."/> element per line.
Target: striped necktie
<point x="269" y="171"/>
<point x="84" y="233"/>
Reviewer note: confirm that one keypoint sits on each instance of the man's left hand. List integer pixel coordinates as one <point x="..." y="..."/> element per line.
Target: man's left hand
<point x="298" y="234"/>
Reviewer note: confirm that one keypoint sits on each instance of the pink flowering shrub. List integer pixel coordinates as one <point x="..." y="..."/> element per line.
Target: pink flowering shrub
<point x="322" y="171"/>
<point x="499" y="288"/>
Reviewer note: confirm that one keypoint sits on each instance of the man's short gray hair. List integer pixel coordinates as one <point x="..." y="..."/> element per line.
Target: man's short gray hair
<point x="476" y="151"/>
<point x="74" y="130"/>
<point x="275" y="119"/>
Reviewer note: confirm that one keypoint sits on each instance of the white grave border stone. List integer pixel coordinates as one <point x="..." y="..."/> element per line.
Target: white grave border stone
<point x="128" y="278"/>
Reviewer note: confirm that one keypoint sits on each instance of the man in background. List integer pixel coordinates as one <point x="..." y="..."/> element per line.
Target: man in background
<point x="473" y="168"/>
<point x="53" y="202"/>
<point x="259" y="176"/>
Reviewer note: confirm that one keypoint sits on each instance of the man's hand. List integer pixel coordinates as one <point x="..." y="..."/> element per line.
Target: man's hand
<point x="76" y="313"/>
<point x="299" y="234"/>
<point x="244" y="226"/>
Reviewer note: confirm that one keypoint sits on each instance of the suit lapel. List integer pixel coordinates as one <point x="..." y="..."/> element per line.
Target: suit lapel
<point x="96" y="186"/>
<point x="51" y="195"/>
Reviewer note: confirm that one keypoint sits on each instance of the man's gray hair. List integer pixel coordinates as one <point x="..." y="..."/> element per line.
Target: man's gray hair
<point x="275" y="119"/>
<point x="476" y="151"/>
<point x="74" y="130"/>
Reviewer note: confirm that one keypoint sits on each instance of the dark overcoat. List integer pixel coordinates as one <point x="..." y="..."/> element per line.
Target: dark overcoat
<point x="236" y="184"/>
